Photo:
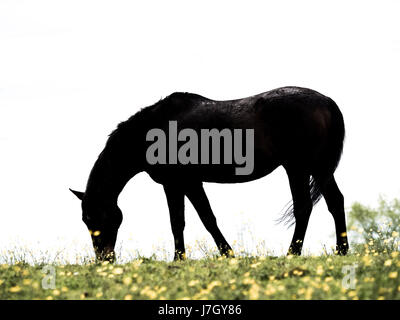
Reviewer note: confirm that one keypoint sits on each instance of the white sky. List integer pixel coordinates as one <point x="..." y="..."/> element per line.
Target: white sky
<point x="71" y="70"/>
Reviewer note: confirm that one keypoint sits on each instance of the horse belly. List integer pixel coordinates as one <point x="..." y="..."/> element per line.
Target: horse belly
<point x="218" y="173"/>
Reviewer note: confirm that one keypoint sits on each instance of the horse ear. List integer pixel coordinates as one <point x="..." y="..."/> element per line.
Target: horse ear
<point x="78" y="194"/>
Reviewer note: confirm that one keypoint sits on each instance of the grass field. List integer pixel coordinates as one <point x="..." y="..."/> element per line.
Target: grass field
<point x="376" y="276"/>
<point x="370" y="271"/>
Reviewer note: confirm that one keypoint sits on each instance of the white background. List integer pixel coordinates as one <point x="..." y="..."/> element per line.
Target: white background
<point x="71" y="70"/>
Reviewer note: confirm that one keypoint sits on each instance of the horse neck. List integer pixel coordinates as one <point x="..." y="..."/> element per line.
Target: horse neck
<point x="108" y="177"/>
<point x="122" y="158"/>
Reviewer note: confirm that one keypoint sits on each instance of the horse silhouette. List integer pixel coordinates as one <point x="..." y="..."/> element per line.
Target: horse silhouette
<point x="297" y="128"/>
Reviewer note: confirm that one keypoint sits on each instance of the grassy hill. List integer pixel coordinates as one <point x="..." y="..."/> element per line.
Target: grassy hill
<point x="376" y="276"/>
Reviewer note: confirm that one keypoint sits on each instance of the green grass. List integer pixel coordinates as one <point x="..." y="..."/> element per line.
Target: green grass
<point x="309" y="277"/>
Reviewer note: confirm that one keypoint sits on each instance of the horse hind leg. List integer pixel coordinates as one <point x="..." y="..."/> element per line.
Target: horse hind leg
<point x="335" y="202"/>
<point x="302" y="207"/>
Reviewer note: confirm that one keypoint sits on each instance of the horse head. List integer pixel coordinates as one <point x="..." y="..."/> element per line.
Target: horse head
<point x="102" y="222"/>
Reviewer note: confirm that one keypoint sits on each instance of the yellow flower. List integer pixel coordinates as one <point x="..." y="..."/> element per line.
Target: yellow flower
<point x="352" y="293"/>
<point x="26" y="282"/>
<point x="99" y="294"/>
<point x="320" y="270"/>
<point x="367" y="260"/>
<point x="325" y="287"/>
<point x="15" y="289"/>
<point x="192" y="283"/>
<point x="388" y="263"/>
<point x="270" y="290"/>
<point x="248" y="281"/>
<point x="127" y="281"/>
<point x="393" y="275"/>
<point x="134" y="288"/>
<point x="281" y="288"/>
<point x="64" y="289"/>
<point x="254" y="292"/>
<point x="395" y="254"/>
<point x="255" y="265"/>
<point x="118" y="271"/>
<point x="395" y="234"/>
<point x="161" y="290"/>
<point x="309" y="293"/>
<point x="297" y="272"/>
<point x="128" y="297"/>
<point x="213" y="284"/>
<point x="49" y="298"/>
<point x="151" y="294"/>
<point x="136" y="264"/>
<point x="96" y="233"/>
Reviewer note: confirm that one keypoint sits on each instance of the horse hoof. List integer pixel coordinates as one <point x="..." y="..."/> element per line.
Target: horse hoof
<point x="342" y="249"/>
<point x="179" y="256"/>
<point x="228" y="254"/>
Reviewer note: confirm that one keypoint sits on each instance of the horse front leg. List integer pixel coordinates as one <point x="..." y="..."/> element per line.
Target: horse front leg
<point x="198" y="198"/>
<point x="176" y="205"/>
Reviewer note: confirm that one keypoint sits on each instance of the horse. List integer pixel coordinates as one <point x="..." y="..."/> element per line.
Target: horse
<point x="297" y="128"/>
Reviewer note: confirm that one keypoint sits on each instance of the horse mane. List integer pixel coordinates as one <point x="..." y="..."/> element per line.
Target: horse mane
<point x="160" y="110"/>
<point x="137" y="118"/>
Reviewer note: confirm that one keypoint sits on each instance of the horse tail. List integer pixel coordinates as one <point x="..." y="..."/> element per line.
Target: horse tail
<point x="326" y="164"/>
<point x="315" y="194"/>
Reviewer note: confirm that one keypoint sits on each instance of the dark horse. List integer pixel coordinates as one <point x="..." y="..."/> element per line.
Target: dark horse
<point x="297" y="128"/>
